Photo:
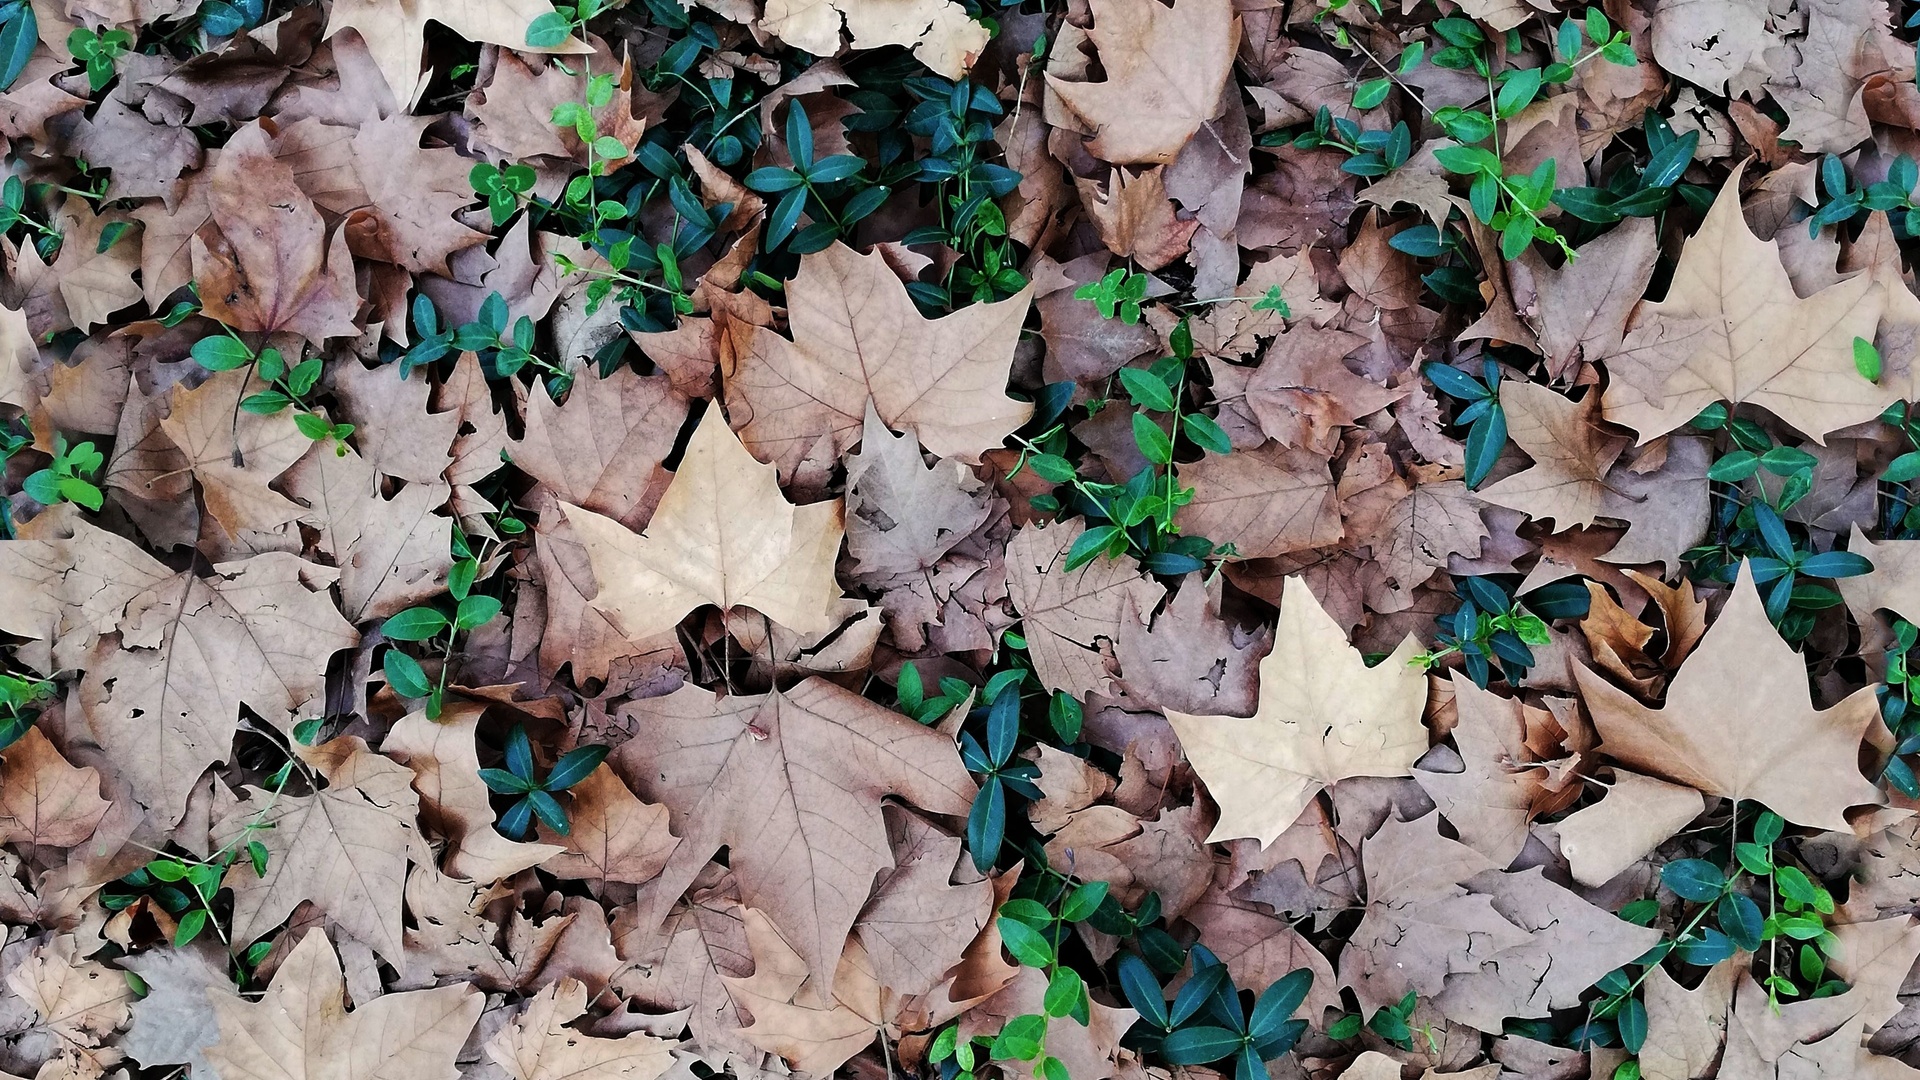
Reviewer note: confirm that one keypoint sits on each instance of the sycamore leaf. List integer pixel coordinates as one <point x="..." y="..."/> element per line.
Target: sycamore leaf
<point x="453" y="798"/>
<point x="1268" y="501"/>
<point x="1165" y="67"/>
<point x="1490" y="802"/>
<point x="1739" y="722"/>
<point x="164" y="700"/>
<point x="857" y="338"/>
<point x="722" y="535"/>
<point x="1638" y="814"/>
<point x="602" y="449"/>
<point x="395" y="31"/>
<point x="816" y="1039"/>
<point x="901" y="515"/>
<point x="301" y="1030"/>
<point x="791" y="784"/>
<point x="539" y="1046"/>
<point x="79" y="1003"/>
<point x="1571" y="455"/>
<point x="392" y="553"/>
<point x="614" y="837"/>
<point x="236" y="454"/>
<point x="939" y="32"/>
<point x="43" y="799"/>
<point x="344" y="849"/>
<point x="1324" y="716"/>
<point x="1067" y="613"/>
<point x="1761" y="343"/>
<point x="263" y="261"/>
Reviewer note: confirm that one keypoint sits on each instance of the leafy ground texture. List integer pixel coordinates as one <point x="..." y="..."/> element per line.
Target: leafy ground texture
<point x="959" y="540"/>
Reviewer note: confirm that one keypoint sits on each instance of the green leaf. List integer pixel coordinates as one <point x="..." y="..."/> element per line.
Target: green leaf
<point x="313" y="425"/>
<point x="1065" y="716"/>
<point x="575" y="766"/>
<point x="17" y="38"/>
<point x="257" y="856"/>
<point x="1903" y="468"/>
<point x="1734" y="466"/>
<point x="1021" y="1038"/>
<point x="548" y="31"/>
<point x="1866" y="359"/>
<point x="1206" y="433"/>
<point x="1024" y="943"/>
<point x="266" y="402"/>
<point x="221" y="353"/>
<point x="1199" y="1045"/>
<point x="1066" y="992"/>
<point x="1371" y="93"/>
<point x="1084" y="900"/>
<point x="190" y="926"/>
<point x="1467" y="160"/>
<point x="1147" y="390"/>
<point x="1693" y="879"/>
<point x="475" y="611"/>
<point x="1152" y="441"/>
<point x="415" y="624"/>
<point x="1092" y="543"/>
<point x="1052" y="1068"/>
<point x="1517" y="91"/>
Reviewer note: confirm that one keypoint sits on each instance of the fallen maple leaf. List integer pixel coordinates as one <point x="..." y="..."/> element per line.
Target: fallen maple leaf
<point x="602" y="449"/>
<point x="614" y="836"/>
<point x="939" y="32"/>
<point x="722" y="535"/>
<point x="1324" y="716"/>
<point x="791" y="784"/>
<point x="1068" y="612"/>
<point x="1165" y="67"/>
<point x="1267" y="501"/>
<point x="857" y="338"/>
<point x="1739" y="722"/>
<point x="453" y="798"/>
<point x="263" y="261"/>
<point x="300" y="1028"/>
<point x="343" y="848"/>
<point x="395" y="31"/>
<point x="1571" y="455"/>
<point x="1760" y="343"/>
<point x="45" y="800"/>
<point x="539" y="1046"/>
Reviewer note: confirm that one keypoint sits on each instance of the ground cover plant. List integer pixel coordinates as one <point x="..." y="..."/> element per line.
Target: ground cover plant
<point x="1102" y="540"/>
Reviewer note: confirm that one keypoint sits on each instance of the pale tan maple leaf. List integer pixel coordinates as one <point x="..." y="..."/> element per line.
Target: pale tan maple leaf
<point x="939" y="32"/>
<point x="43" y="798"/>
<point x="1706" y="42"/>
<point x="301" y="1030"/>
<point x="815" y="1037"/>
<point x="791" y="784"/>
<point x="164" y="701"/>
<point x="1685" y="1027"/>
<point x="80" y="1003"/>
<point x="1893" y="584"/>
<point x="902" y="516"/>
<point x="1324" y="716"/>
<point x="395" y="31"/>
<point x="857" y="337"/>
<point x="1579" y="310"/>
<point x="1165" y="67"/>
<point x="1489" y="803"/>
<point x="392" y="553"/>
<point x="1762" y="344"/>
<point x="1571" y="455"/>
<point x="1638" y="814"/>
<point x="453" y="799"/>
<point x="1739" y="722"/>
<point x="539" y="1046"/>
<point x="343" y="848"/>
<point x="95" y="283"/>
<point x="723" y="535"/>
<point x="236" y="455"/>
<point x="614" y="837"/>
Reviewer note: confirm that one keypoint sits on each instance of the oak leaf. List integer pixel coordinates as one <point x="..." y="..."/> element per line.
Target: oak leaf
<point x="791" y="784"/>
<point x="1743" y="681"/>
<point x="43" y="798"/>
<point x="723" y="535"/>
<point x="857" y="338"/>
<point x="301" y="1030"/>
<point x="1324" y="716"/>
<point x="1165" y="67"/>
<point x="343" y="848"/>
<point x="539" y="1046"/>
<point x="1761" y="343"/>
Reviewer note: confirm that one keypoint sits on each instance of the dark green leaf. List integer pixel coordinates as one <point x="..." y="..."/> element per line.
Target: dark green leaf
<point x="1199" y="1045"/>
<point x="1693" y="879"/>
<point x="415" y="624"/>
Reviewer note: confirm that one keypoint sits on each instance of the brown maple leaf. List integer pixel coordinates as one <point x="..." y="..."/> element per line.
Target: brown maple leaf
<point x="45" y="800"/>
<point x="791" y="784"/>
<point x="857" y="338"/>
<point x="1571" y="455"/>
<point x="1068" y="613"/>
<point x="263" y="261"/>
<point x="539" y="1046"/>
<point x="395" y="31"/>
<point x="602" y="449"/>
<point x="614" y="836"/>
